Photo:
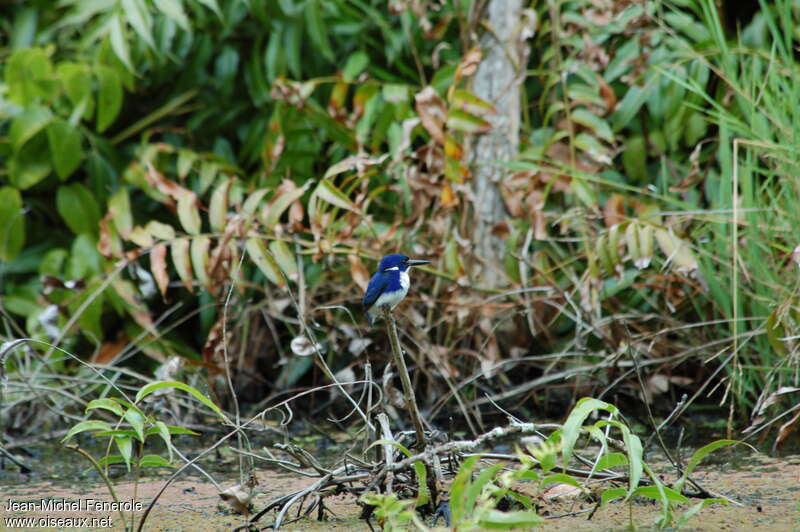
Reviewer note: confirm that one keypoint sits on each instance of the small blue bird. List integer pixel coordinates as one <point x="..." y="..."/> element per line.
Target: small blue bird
<point x="389" y="285"/>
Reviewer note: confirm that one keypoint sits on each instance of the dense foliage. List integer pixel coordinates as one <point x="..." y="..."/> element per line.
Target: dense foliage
<point x="179" y="171"/>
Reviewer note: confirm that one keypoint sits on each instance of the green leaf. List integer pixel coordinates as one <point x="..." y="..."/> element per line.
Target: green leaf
<point x="701" y="453"/>
<point x="154" y="460"/>
<point x="12" y="224"/>
<point x="27" y="124"/>
<point x="595" y="123"/>
<point x="77" y="81"/>
<point x="611" y="460"/>
<point x="188" y="212"/>
<point x="109" y="99"/>
<point x="138" y="15"/>
<point x="496" y="520"/>
<point x="328" y="192"/>
<point x="118" y="41"/>
<point x="279" y="206"/>
<point x="78" y="208"/>
<point x="31" y="163"/>
<point x="317" y="30"/>
<point x="179" y="251"/>
<point x="463" y="121"/>
<point x="136" y="419"/>
<point x="218" y="206"/>
<point x="355" y="65"/>
<point x="125" y="446"/>
<point x="612" y="494"/>
<point x="84" y="426"/>
<point x="213" y="6"/>
<point x="106" y="404"/>
<point x="658" y="492"/>
<point x="199" y="252"/>
<point x="162" y="385"/>
<point x="119" y="206"/>
<point x="65" y="147"/>
<point x="27" y="73"/>
<point x="163" y="431"/>
<point x="266" y="263"/>
<point x="572" y="426"/>
<point x="285" y="258"/>
<point x="174" y="10"/>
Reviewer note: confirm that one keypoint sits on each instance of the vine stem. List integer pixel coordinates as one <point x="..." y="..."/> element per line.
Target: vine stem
<point x="400" y="364"/>
<point x="105" y="479"/>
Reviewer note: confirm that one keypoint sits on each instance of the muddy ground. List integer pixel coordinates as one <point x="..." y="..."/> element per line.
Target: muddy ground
<point x="768" y="490"/>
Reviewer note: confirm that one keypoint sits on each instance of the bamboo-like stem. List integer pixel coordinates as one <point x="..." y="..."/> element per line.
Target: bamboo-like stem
<point x="400" y="364"/>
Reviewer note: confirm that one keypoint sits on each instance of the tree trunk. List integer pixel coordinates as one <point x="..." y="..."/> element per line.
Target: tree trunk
<point x="497" y="81"/>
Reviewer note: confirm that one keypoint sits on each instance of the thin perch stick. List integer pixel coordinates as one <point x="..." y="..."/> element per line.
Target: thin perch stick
<point x="400" y="364"/>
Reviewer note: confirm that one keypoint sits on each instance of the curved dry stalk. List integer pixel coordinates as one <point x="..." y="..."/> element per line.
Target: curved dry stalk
<point x="402" y="370"/>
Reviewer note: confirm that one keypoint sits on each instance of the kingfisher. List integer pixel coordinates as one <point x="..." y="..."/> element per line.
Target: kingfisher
<point x="389" y="285"/>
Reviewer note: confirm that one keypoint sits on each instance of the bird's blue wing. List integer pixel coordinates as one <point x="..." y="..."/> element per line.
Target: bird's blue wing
<point x="375" y="288"/>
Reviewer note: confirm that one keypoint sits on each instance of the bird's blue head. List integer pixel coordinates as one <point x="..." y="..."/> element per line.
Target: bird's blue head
<point x="398" y="262"/>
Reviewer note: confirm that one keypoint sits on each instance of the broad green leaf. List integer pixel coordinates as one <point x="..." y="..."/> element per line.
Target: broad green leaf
<point x="701" y="453"/>
<point x="162" y="385"/>
<point x="12" y="224"/>
<point x="599" y="126"/>
<point x="136" y="419"/>
<point x="125" y="446"/>
<point x="108" y="460"/>
<point x="355" y="65"/>
<point x="279" y="206"/>
<point x="163" y="431"/>
<point x="458" y="489"/>
<point x="328" y="192"/>
<point x="285" y="258"/>
<point x="109" y="98"/>
<point x="27" y="75"/>
<point x="200" y="258"/>
<point x="174" y="10"/>
<point x="179" y="251"/>
<point x="612" y="494"/>
<point x="30" y="164"/>
<point x="160" y="230"/>
<point x="559" y="478"/>
<point x="266" y="263"/>
<point x="188" y="212"/>
<point x="213" y="6"/>
<point x="611" y="460"/>
<point x="658" y="492"/>
<point x="218" y="207"/>
<point x="77" y="81"/>
<point x="463" y="121"/>
<point x="497" y="520"/>
<point x="154" y="460"/>
<point x="119" y="205"/>
<point x="593" y="148"/>
<point x="65" y="147"/>
<point x="106" y="404"/>
<point x="138" y="15"/>
<point x="119" y="43"/>
<point x="469" y="103"/>
<point x="572" y="426"/>
<point x="84" y="426"/>
<point x="78" y="208"/>
<point x="317" y="30"/>
<point x="677" y="251"/>
<point x="252" y="201"/>
<point x="27" y="124"/>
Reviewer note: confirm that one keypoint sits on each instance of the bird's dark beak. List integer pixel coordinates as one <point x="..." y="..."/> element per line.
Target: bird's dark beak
<point x="417" y="262"/>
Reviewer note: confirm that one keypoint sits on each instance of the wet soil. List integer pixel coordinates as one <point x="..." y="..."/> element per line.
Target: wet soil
<point x="768" y="490"/>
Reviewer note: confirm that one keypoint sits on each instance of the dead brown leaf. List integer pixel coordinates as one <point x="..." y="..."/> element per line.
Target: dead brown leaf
<point x="432" y="112"/>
